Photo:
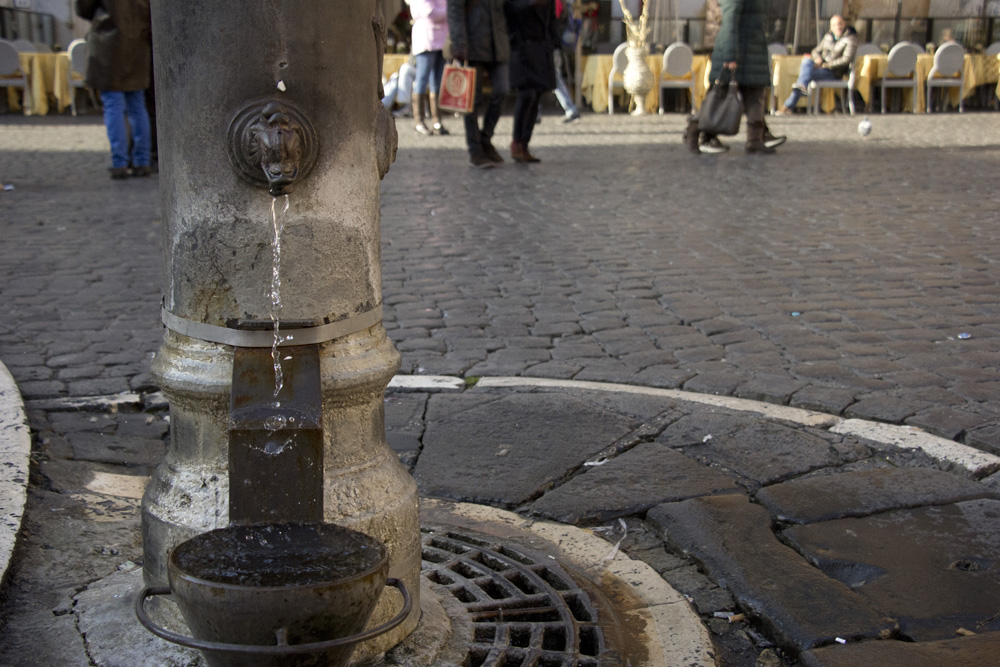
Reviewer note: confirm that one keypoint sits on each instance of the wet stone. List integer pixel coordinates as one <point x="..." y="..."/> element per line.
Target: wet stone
<point x="732" y="540"/>
<point x="647" y="475"/>
<point x="540" y="439"/>
<point x="865" y="492"/>
<point x="976" y="651"/>
<point x="934" y="569"/>
<point x="106" y="448"/>
<point x="760" y="450"/>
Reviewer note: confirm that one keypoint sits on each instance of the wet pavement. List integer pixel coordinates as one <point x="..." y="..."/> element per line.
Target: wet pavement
<point x="836" y="286"/>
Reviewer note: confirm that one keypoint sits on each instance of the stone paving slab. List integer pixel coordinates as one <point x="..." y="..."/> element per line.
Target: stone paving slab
<point x="934" y="569"/>
<point x="732" y="540"/>
<point x="977" y="651"/>
<point x="863" y="492"/>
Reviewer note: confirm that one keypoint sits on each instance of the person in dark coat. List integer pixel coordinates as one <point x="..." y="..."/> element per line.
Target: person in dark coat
<point x="531" y="25"/>
<point x="478" y="32"/>
<point x="119" y="65"/>
<point x="741" y="47"/>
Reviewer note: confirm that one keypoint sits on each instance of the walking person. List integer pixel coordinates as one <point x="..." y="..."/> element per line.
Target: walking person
<point x="119" y="65"/>
<point x="478" y="32"/>
<point x="563" y="28"/>
<point x="428" y="36"/>
<point x="531" y="25"/>
<point x="741" y="47"/>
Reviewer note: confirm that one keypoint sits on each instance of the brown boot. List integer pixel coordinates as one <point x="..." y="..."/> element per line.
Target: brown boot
<point x="691" y="135"/>
<point x="755" y="139"/>
<point x="517" y="151"/>
<point x="438" y="127"/>
<point x="418" y="113"/>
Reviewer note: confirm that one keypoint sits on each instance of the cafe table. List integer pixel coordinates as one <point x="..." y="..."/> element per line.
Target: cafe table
<point x="596" y="68"/>
<point x="49" y="77"/>
<point x="391" y="62"/>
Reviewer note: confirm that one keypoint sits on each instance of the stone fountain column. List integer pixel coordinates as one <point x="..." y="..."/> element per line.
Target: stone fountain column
<point x="219" y="63"/>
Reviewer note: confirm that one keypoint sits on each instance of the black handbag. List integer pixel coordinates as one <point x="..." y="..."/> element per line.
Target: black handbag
<point x="722" y="108"/>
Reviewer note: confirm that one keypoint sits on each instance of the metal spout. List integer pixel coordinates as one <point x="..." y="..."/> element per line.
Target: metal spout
<point x="272" y="143"/>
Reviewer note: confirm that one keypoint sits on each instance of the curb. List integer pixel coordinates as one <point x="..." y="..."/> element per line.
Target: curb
<point x="977" y="464"/>
<point x="15" y="452"/>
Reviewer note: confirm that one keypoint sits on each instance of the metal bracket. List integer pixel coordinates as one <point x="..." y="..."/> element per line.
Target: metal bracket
<point x="265" y="338"/>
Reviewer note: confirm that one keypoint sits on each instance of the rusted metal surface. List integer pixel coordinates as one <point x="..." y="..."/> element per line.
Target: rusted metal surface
<point x="276" y="442"/>
<point x="526" y="609"/>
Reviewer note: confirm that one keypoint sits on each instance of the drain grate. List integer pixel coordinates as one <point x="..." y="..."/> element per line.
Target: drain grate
<point x="526" y="610"/>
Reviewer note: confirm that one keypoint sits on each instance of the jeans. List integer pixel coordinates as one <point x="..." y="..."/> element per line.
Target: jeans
<point x="808" y="73"/>
<point x="500" y="78"/>
<point x="117" y="105"/>
<point x="562" y="92"/>
<point x="430" y="64"/>
<point x="399" y="87"/>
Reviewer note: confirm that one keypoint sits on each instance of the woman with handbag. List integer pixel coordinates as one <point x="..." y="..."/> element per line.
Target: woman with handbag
<point x="531" y="25"/>
<point x="741" y="49"/>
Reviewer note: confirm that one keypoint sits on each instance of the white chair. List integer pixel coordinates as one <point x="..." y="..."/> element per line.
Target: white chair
<point x="11" y="75"/>
<point x="849" y="85"/>
<point x="948" y="71"/>
<point x="78" y="66"/>
<point x="900" y="71"/>
<point x="619" y="61"/>
<point x="677" y="60"/>
<point x="774" y="49"/>
<point x="993" y="49"/>
<point x="23" y="46"/>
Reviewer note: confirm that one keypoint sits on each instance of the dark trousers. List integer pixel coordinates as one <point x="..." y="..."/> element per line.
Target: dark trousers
<point x="525" y="114"/>
<point x="500" y="85"/>
<point x="753" y="103"/>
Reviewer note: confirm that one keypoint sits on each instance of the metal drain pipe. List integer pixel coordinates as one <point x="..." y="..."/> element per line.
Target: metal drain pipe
<point x="291" y="89"/>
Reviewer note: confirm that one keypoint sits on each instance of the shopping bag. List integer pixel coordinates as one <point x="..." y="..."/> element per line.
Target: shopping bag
<point x="722" y="108"/>
<point x="458" y="89"/>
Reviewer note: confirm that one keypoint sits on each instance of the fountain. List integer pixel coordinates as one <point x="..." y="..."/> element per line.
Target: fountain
<point x="260" y="101"/>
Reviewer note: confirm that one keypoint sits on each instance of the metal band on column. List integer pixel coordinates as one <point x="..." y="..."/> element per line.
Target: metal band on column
<point x="265" y="338"/>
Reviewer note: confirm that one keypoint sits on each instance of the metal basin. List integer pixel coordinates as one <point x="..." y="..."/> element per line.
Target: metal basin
<point x="276" y="595"/>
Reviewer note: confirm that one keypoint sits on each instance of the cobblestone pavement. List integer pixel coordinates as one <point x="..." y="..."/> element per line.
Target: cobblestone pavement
<point x="837" y="275"/>
<point x="856" y="277"/>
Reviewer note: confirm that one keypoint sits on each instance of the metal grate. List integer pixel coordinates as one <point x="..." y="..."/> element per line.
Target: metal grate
<point x="526" y="610"/>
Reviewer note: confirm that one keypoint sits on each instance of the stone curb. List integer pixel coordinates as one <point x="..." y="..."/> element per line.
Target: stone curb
<point x="15" y="452"/>
<point x="975" y="463"/>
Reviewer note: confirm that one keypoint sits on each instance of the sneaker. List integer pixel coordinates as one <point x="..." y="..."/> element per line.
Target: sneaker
<point x="570" y="117"/>
<point x="421" y="128"/>
<point x="491" y="153"/>
<point x="799" y="87"/>
<point x="440" y="129"/>
<point x="119" y="173"/>
<point x="140" y="172"/>
<point x="712" y="145"/>
<point x="783" y="111"/>
<point x="479" y="160"/>
<point x="772" y="141"/>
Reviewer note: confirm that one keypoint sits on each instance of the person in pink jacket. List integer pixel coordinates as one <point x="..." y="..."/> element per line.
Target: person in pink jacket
<point x="428" y="36"/>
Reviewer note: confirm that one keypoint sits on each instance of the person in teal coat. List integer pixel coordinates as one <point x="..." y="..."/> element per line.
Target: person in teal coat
<point x="741" y="47"/>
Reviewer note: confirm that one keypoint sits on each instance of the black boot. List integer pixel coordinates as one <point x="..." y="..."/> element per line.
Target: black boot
<point x="755" y="139"/>
<point x="770" y="140"/>
<point x="691" y="135"/>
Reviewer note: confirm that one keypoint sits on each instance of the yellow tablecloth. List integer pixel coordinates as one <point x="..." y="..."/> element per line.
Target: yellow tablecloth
<point x="596" y="69"/>
<point x="391" y="62"/>
<point x="48" y="75"/>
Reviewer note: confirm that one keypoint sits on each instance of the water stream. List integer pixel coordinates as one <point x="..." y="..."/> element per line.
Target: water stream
<point x="278" y="218"/>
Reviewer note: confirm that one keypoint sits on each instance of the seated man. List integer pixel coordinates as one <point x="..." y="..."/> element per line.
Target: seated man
<point x="830" y="60"/>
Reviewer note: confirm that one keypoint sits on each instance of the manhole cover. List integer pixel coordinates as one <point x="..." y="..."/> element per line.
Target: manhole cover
<point x="526" y="610"/>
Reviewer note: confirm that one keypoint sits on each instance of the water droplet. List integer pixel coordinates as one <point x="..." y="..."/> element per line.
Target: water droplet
<point x="795" y="313"/>
<point x="273" y="448"/>
<point x="275" y="422"/>
<point x="964" y="336"/>
<point x="281" y="86"/>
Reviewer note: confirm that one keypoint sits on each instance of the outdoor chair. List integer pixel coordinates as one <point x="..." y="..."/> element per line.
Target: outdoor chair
<point x="900" y="72"/>
<point x="677" y="61"/>
<point x="849" y="85"/>
<point x="948" y="71"/>
<point x="11" y="75"/>
<point x="774" y="49"/>
<point x="619" y="61"/>
<point x="23" y="46"/>
<point x="77" y="68"/>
